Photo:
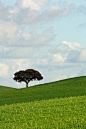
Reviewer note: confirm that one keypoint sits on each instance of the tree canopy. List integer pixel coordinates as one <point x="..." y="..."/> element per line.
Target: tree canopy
<point x="27" y="76"/>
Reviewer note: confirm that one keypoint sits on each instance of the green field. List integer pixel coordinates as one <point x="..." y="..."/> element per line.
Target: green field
<point x="55" y="105"/>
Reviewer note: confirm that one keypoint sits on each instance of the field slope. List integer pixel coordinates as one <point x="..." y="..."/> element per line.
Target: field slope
<point x="60" y="89"/>
<point x="55" y="105"/>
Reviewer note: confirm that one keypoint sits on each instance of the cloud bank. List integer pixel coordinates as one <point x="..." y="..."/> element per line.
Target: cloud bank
<point x="27" y="38"/>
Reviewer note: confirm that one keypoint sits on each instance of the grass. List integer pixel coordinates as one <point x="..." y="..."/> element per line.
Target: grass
<point x="56" y="105"/>
<point x="63" y="113"/>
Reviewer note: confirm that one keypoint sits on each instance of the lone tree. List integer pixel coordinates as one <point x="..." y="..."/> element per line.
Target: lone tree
<point x="27" y="76"/>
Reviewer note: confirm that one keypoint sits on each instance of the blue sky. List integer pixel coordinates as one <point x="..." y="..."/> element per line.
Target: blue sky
<point x="9" y="2"/>
<point x="46" y="35"/>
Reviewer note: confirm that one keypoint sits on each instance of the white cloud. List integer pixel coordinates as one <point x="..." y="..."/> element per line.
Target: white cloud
<point x="13" y="36"/>
<point x="42" y="62"/>
<point x="3" y="10"/>
<point x="83" y="71"/>
<point x="4" y="70"/>
<point x="15" y="65"/>
<point x="27" y="17"/>
<point x="33" y="4"/>
<point x="14" y="10"/>
<point x="19" y="64"/>
<point x="58" y="58"/>
<point x="73" y="46"/>
<point x="30" y="12"/>
<point x="55" y="11"/>
<point x="68" y="52"/>
<point x="3" y="49"/>
<point x="82" y="56"/>
<point x="54" y="7"/>
<point x="8" y="30"/>
<point x="76" y="52"/>
<point x="19" y="53"/>
<point x="65" y="54"/>
<point x="26" y="36"/>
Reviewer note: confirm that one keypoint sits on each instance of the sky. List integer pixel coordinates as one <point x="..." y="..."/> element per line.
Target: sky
<point x="44" y="35"/>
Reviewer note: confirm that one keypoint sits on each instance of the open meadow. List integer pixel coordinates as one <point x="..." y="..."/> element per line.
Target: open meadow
<point x="55" y="105"/>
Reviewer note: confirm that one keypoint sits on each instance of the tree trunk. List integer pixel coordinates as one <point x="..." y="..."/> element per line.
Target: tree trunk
<point x="26" y="85"/>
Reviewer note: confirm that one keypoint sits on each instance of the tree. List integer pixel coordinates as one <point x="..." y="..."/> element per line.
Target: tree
<point x="27" y="76"/>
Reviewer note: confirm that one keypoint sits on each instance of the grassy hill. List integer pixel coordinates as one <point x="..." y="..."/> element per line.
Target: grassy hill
<point x="55" y="105"/>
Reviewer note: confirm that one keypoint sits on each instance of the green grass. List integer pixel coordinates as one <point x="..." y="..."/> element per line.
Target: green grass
<point x="63" y="113"/>
<point x="56" y="105"/>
